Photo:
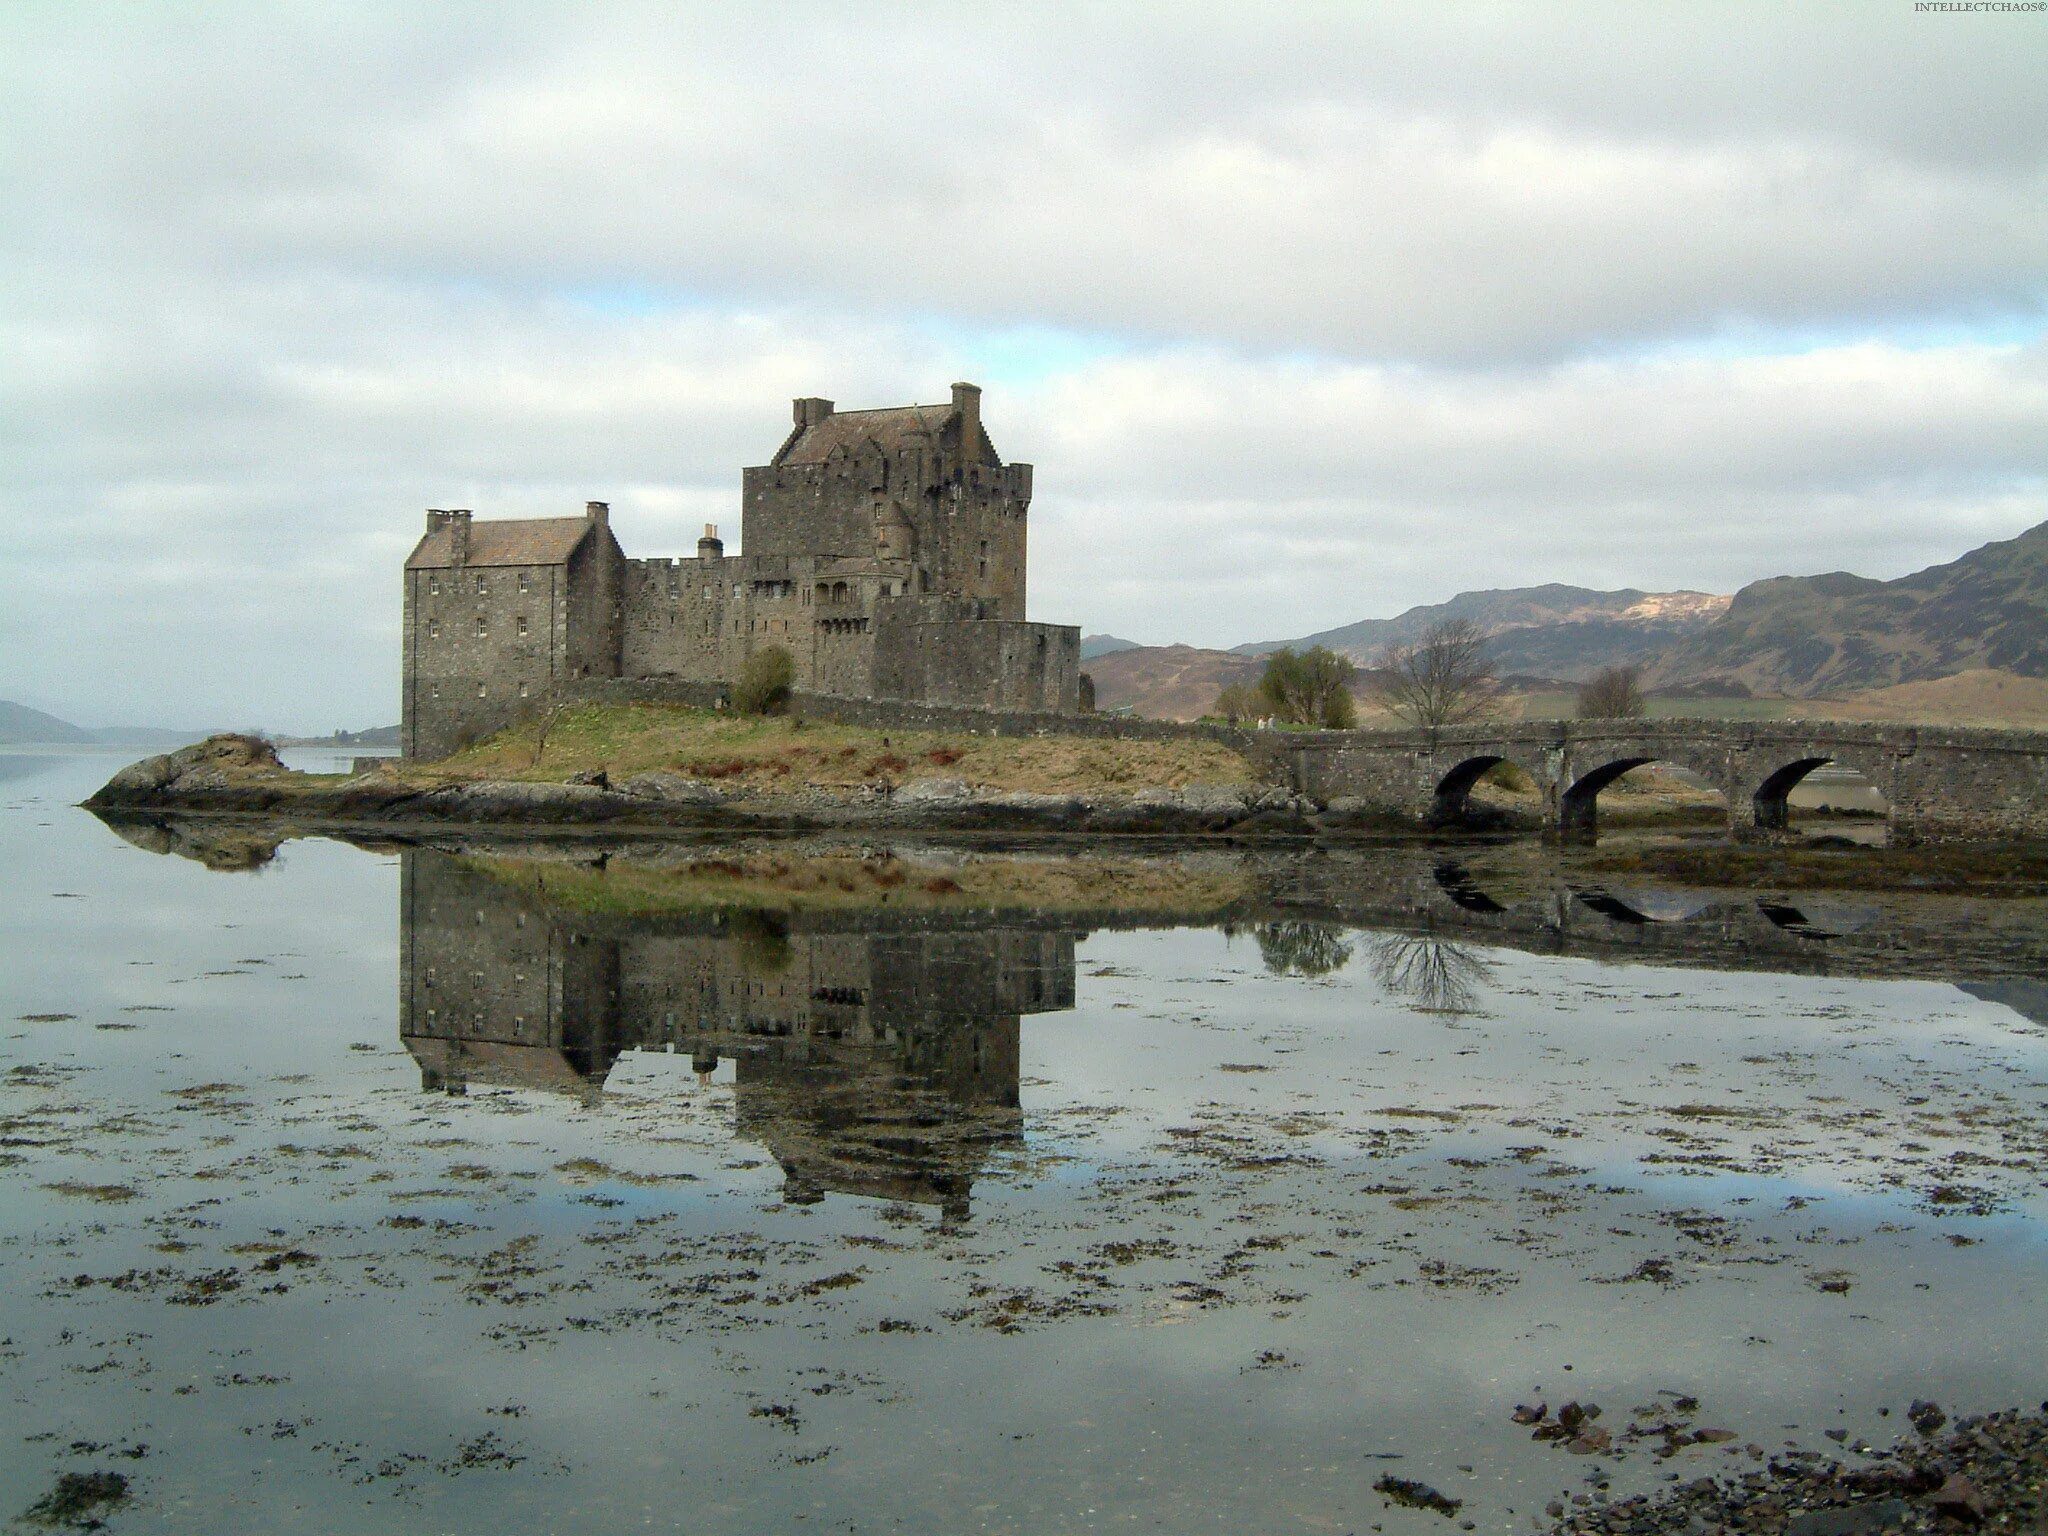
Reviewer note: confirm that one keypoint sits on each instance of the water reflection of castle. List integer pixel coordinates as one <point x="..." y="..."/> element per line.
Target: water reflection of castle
<point x="880" y="1063"/>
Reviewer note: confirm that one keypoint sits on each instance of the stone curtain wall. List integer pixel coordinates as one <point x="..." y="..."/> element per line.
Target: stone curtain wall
<point x="977" y="664"/>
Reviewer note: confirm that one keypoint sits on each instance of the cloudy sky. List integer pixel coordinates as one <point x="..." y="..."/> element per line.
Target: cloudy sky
<point x="1305" y="314"/>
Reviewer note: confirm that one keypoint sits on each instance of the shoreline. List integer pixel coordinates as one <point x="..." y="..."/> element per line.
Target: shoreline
<point x="241" y="780"/>
<point x="1984" y="1472"/>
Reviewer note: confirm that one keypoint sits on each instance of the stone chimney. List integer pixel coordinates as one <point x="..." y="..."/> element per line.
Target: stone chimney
<point x="967" y="406"/>
<point x="599" y="512"/>
<point x="458" y="536"/>
<point x="710" y="547"/>
<point x="811" y="410"/>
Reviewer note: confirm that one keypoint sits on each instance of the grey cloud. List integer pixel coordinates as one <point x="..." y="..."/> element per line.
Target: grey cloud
<point x="1375" y="185"/>
<point x="1399" y="301"/>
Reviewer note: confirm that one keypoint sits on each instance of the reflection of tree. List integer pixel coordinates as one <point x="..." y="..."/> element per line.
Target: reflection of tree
<point x="760" y="942"/>
<point x="1434" y="975"/>
<point x="1297" y="948"/>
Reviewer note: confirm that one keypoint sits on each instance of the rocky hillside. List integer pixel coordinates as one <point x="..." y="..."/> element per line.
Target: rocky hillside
<point x="1549" y="631"/>
<point x="1804" y="635"/>
<point x="1166" y="682"/>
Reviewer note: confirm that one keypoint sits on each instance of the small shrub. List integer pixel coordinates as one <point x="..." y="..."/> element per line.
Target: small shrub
<point x="1507" y="776"/>
<point x="944" y="757"/>
<point x="765" y="682"/>
<point x="1236" y="704"/>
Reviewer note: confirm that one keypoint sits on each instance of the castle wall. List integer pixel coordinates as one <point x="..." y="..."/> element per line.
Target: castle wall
<point x="483" y="644"/>
<point x="979" y="663"/>
<point x="595" y="575"/>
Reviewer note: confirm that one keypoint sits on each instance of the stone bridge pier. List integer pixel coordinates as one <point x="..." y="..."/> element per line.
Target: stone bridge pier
<point x="1938" y="783"/>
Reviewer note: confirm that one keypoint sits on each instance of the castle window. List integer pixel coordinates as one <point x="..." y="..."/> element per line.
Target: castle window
<point x="984" y="557"/>
<point x="433" y="629"/>
<point x="434" y="585"/>
<point x="482" y="624"/>
<point x="483" y="690"/>
<point x="481" y="584"/>
<point x="522" y="690"/>
<point x="519" y="624"/>
<point x="522" y="581"/>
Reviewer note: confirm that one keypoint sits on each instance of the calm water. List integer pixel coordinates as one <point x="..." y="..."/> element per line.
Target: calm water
<point x="757" y="1188"/>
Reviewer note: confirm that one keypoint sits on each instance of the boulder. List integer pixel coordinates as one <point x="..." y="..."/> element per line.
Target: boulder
<point x="204" y="771"/>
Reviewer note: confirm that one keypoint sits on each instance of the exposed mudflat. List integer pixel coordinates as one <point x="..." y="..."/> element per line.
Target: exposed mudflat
<point x="536" y="1186"/>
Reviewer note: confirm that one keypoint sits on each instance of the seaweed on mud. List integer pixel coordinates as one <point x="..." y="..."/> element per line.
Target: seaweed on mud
<point x="77" y="1501"/>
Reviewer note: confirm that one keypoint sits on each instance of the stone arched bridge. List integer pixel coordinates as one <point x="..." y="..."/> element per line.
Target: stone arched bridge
<point x="1939" y="782"/>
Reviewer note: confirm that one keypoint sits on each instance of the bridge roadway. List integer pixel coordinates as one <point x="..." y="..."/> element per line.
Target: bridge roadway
<point x="1939" y="782"/>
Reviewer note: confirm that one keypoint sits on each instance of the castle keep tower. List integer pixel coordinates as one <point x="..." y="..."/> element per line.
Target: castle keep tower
<point x="884" y="550"/>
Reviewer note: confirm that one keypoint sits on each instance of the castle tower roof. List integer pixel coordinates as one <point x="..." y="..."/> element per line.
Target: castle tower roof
<point x="892" y="429"/>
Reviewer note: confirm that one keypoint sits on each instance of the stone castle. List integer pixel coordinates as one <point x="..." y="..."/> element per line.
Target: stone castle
<point x="884" y="550"/>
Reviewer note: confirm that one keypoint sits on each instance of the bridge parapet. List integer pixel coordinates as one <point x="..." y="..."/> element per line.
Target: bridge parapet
<point x="1939" y="782"/>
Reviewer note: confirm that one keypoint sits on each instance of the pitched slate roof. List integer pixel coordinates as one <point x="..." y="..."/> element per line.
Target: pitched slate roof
<point x="894" y="428"/>
<point x="509" y="541"/>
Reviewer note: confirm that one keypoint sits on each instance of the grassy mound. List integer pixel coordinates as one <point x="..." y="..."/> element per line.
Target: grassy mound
<point x="784" y="882"/>
<point x="770" y="754"/>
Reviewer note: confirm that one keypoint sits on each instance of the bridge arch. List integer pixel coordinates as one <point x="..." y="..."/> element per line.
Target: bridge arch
<point x="1578" y="813"/>
<point x="1770" y="804"/>
<point x="1450" y="805"/>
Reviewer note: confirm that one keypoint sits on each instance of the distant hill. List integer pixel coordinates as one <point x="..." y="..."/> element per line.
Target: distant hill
<point x="21" y="726"/>
<point x="1166" y="682"/>
<point x="375" y="736"/>
<point x="1552" y="631"/>
<point x="1093" y="646"/>
<point x="1810" y="634"/>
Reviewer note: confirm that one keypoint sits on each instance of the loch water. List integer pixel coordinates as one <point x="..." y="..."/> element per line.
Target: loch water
<point x="856" y="1185"/>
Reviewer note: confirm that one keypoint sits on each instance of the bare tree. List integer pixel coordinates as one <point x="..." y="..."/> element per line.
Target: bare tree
<point x="544" y="724"/>
<point x="1443" y="678"/>
<point x="1613" y="693"/>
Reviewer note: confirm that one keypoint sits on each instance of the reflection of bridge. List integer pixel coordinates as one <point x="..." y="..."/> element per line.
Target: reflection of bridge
<point x="1989" y="948"/>
<point x="872" y="1063"/>
<point x="1938" y="782"/>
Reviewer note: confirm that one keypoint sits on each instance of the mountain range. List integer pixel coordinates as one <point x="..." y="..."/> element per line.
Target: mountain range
<point x="21" y="726"/>
<point x="1549" y="631"/>
<point x="1790" y="636"/>
<point x="1804" y="635"/>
